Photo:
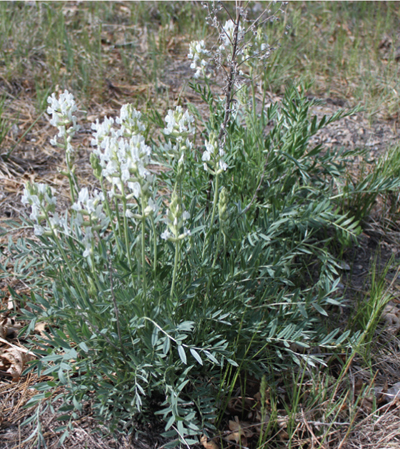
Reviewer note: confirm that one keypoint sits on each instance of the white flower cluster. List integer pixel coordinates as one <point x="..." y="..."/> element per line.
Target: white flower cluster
<point x="129" y="119"/>
<point x="123" y="153"/>
<point x="43" y="204"/>
<point x="227" y="35"/>
<point x="252" y="52"/>
<point x="42" y="201"/>
<point x="199" y="54"/>
<point x="177" y="151"/>
<point x="61" y="110"/>
<point x="179" y="124"/>
<point x="175" y="220"/>
<point x="213" y="156"/>
<point x="92" y="208"/>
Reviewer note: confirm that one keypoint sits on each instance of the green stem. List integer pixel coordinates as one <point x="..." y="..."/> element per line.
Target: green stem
<point x="207" y="295"/>
<point x="217" y="250"/>
<point x="118" y="217"/>
<point x="110" y="216"/>
<point x="253" y="94"/>
<point x="72" y="179"/>
<point x="175" y="269"/>
<point x="71" y="187"/>
<point x="126" y="230"/>
<point x="143" y="251"/>
<point x="154" y="245"/>
<point x="215" y="200"/>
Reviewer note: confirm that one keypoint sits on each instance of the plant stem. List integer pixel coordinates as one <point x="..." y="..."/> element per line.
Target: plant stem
<point x="215" y="200"/>
<point x="110" y="216"/>
<point x="217" y="250"/>
<point x="116" y="311"/>
<point x="253" y="95"/>
<point x="64" y="256"/>
<point x="71" y="187"/>
<point x="155" y="245"/>
<point x="126" y="234"/>
<point x="175" y="269"/>
<point x="143" y="250"/>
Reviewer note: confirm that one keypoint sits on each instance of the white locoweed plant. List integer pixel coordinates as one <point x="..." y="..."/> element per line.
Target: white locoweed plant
<point x="160" y="287"/>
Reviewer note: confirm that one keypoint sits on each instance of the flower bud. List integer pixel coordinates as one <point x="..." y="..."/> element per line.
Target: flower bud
<point x="95" y="163"/>
<point x="222" y="204"/>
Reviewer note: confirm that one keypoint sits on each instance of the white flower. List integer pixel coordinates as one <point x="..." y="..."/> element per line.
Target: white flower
<point x="179" y="123"/>
<point x="223" y="165"/>
<point x="166" y="235"/>
<point x="150" y="208"/>
<point x="152" y="204"/>
<point x="123" y="155"/>
<point x="83" y="196"/>
<point x="129" y="119"/>
<point x="86" y="253"/>
<point x="27" y="197"/>
<point x="102" y="130"/>
<point x="135" y="188"/>
<point x="87" y="242"/>
<point x="227" y="34"/>
<point x="61" y="110"/>
<point x="206" y="155"/>
<point x="199" y="54"/>
<point x="90" y="205"/>
<point x="35" y="212"/>
<point x="42" y="202"/>
<point x="213" y="156"/>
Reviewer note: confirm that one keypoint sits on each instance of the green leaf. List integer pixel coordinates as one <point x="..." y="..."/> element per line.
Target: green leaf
<point x="319" y="309"/>
<point x="62" y="377"/>
<point x="182" y="354"/>
<point x="196" y="356"/>
<point x="186" y="326"/>
<point x="211" y="357"/>
<point x="83" y="346"/>
<point x="170" y="422"/>
<point x="166" y="345"/>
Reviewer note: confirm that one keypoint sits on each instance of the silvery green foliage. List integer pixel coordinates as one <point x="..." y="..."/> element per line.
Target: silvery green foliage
<point x="228" y="293"/>
<point x="160" y="287"/>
